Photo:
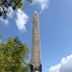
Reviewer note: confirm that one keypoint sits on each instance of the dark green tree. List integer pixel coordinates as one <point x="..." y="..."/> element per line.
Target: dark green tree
<point x="15" y="4"/>
<point x="13" y="56"/>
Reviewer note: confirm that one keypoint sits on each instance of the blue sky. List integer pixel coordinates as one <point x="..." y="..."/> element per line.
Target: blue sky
<point x="55" y="32"/>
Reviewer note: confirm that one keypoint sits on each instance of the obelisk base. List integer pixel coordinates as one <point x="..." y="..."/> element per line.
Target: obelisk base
<point x="36" y="69"/>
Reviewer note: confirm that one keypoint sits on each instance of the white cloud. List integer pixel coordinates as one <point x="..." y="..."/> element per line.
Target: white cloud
<point x="42" y="3"/>
<point x="21" y="19"/>
<point x="64" y="66"/>
<point x="55" y="68"/>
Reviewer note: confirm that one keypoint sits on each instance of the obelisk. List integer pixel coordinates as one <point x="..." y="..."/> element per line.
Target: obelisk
<point x="35" y="65"/>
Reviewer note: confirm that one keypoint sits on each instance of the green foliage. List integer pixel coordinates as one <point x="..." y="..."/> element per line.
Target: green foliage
<point x="5" y="4"/>
<point x="15" y="4"/>
<point x="13" y="56"/>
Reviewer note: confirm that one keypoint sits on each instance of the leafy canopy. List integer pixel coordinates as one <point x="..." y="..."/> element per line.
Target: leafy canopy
<point x="13" y="56"/>
<point x="14" y="4"/>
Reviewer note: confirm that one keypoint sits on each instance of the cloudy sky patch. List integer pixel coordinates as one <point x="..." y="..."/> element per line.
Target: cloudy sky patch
<point x="64" y="66"/>
<point x="43" y="4"/>
<point x="21" y="19"/>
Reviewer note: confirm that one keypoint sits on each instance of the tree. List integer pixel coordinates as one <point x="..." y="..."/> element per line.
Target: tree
<point x="14" y="4"/>
<point x="13" y="56"/>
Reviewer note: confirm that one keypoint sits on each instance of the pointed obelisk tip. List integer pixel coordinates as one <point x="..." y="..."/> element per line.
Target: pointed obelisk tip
<point x="36" y="12"/>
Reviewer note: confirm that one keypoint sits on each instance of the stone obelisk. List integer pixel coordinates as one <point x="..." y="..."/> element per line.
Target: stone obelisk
<point x="35" y="65"/>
